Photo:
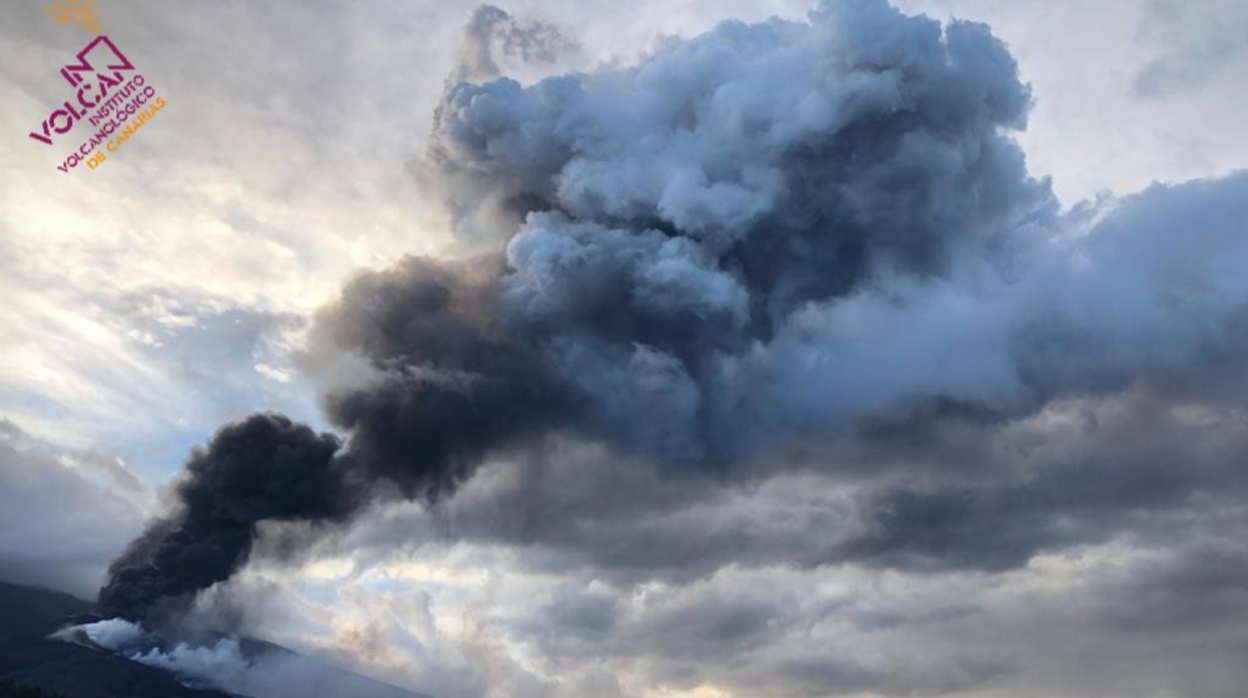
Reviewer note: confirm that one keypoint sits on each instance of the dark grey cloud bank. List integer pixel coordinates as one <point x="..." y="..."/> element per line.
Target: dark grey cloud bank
<point x="794" y="283"/>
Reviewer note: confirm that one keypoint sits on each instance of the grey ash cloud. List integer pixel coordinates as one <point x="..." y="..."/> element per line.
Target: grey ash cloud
<point x="492" y="34"/>
<point x="453" y="381"/>
<point x="792" y="289"/>
<point x="676" y="220"/>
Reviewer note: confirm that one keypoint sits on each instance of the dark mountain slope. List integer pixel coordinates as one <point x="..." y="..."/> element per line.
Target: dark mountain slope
<point x="8" y="689"/>
<point x="24" y="610"/>
<point x="28" y="658"/>
<point x="74" y="671"/>
<point x="69" y="670"/>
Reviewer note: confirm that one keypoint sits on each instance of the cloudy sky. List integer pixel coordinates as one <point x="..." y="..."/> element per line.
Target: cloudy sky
<point x="988" y="441"/>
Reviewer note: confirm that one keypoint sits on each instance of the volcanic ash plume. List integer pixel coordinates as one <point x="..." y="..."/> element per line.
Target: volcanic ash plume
<point x="756" y="237"/>
<point x="264" y="468"/>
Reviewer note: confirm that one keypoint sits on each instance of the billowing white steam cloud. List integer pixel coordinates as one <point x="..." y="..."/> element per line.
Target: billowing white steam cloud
<point x="223" y="663"/>
<point x="782" y="228"/>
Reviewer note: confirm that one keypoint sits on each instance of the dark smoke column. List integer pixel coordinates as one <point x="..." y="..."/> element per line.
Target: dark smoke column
<point x="668" y="247"/>
<point x="264" y="468"/>
<point x="452" y="385"/>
